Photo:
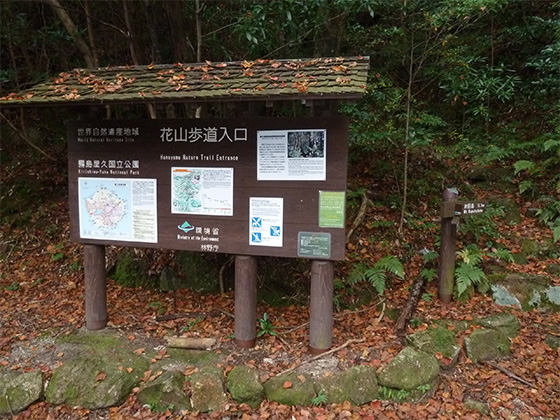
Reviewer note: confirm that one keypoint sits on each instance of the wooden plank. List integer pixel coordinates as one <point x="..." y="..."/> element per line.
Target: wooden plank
<point x="321" y="306"/>
<point x="95" y="286"/>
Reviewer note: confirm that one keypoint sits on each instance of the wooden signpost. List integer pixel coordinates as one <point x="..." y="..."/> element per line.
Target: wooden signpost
<point x="247" y="186"/>
<point x="243" y="186"/>
<point x="451" y="213"/>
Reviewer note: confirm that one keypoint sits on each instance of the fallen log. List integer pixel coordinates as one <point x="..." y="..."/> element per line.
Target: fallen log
<point x="195" y="343"/>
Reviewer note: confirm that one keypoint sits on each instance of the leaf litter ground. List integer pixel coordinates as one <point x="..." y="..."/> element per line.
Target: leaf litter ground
<point x="42" y="296"/>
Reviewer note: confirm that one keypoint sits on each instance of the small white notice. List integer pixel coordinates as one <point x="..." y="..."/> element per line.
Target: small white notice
<point x="291" y="155"/>
<point x="266" y="216"/>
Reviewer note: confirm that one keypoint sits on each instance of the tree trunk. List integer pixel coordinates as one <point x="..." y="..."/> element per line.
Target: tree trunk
<point x="91" y="33"/>
<point x="73" y="31"/>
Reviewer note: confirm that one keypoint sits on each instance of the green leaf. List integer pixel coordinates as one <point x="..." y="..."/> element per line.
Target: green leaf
<point x="556" y="233"/>
<point x="467" y="275"/>
<point x="524" y="165"/>
<point x="525" y="185"/>
<point x="391" y="264"/>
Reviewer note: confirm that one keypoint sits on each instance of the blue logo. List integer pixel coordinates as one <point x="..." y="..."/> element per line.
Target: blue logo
<point x="256" y="237"/>
<point x="186" y="227"/>
<point x="274" y="230"/>
<point x="256" y="222"/>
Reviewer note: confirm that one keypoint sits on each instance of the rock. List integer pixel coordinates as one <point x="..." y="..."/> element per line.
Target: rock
<point x="527" y="291"/>
<point x="479" y="173"/>
<point x="244" y="386"/>
<point x="358" y="385"/>
<point x="96" y="381"/>
<point x="475" y="405"/>
<point x="503" y="297"/>
<point x="546" y="248"/>
<point x="208" y="390"/>
<point x="168" y="280"/>
<point x="553" y="341"/>
<point x="487" y="344"/>
<point x="397" y="374"/>
<point x="166" y="392"/>
<point x="180" y="359"/>
<point x="104" y="373"/>
<point x="132" y="271"/>
<point x="300" y="391"/>
<point x="553" y="269"/>
<point x="505" y="322"/>
<point x="437" y="340"/>
<point x="512" y="213"/>
<point x="19" y="390"/>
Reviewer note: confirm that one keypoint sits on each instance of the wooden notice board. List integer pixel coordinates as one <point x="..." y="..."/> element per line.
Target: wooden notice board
<point x="246" y="186"/>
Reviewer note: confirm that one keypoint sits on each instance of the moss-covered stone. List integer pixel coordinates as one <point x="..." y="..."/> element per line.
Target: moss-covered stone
<point x="207" y="389"/>
<point x="511" y="210"/>
<point x="132" y="271"/>
<point x="527" y="291"/>
<point x="166" y="392"/>
<point x="179" y="359"/>
<point x="553" y="269"/>
<point x="19" y="390"/>
<point x="397" y="374"/>
<point x="475" y="405"/>
<point x="300" y="392"/>
<point x="487" y="344"/>
<point x="357" y="385"/>
<point x="104" y="373"/>
<point x="244" y="386"/>
<point x="505" y="322"/>
<point x="553" y="341"/>
<point x="437" y="339"/>
<point x="198" y="272"/>
<point x="96" y="381"/>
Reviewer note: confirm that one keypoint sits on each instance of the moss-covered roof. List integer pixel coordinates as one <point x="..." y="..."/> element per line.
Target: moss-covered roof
<point x="260" y="80"/>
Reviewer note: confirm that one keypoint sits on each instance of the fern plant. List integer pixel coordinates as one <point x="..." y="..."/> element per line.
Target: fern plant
<point x="320" y="399"/>
<point x="468" y="274"/>
<point x="376" y="275"/>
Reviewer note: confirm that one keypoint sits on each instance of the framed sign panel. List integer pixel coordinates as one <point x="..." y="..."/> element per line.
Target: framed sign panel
<point x="241" y="186"/>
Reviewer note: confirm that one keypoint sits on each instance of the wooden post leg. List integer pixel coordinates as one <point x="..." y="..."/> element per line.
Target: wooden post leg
<point x="245" y="301"/>
<point x="95" y="286"/>
<point x="321" y="306"/>
<point x="447" y="252"/>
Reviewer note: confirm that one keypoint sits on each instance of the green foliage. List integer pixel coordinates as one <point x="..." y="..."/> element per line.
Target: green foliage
<point x="393" y="394"/>
<point x="483" y="225"/>
<point x="319" y="399"/>
<point x="376" y="275"/>
<point x="265" y="326"/>
<point x="56" y="252"/>
<point x="158" y="306"/>
<point x="550" y="215"/>
<point x="427" y="297"/>
<point x="415" y="322"/>
<point x="12" y="287"/>
<point x="501" y="254"/>
<point x="468" y="273"/>
<point x="192" y="323"/>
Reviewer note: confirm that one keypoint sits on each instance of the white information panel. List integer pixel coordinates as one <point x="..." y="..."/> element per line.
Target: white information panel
<point x="266" y="221"/>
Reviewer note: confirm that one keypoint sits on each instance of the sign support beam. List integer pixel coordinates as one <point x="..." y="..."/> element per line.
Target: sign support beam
<point x="321" y="306"/>
<point x="447" y="250"/>
<point x="245" y="301"/>
<point x="95" y="286"/>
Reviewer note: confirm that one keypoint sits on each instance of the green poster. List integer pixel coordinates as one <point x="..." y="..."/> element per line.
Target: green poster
<point x="314" y="244"/>
<point x="331" y="209"/>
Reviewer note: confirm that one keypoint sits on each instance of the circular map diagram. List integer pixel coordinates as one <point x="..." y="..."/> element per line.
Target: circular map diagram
<point x="105" y="208"/>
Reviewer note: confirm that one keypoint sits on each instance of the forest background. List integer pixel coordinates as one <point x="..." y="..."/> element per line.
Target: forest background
<point x="456" y="87"/>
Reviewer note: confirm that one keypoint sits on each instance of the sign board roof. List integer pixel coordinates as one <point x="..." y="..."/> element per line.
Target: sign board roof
<point x="259" y="80"/>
